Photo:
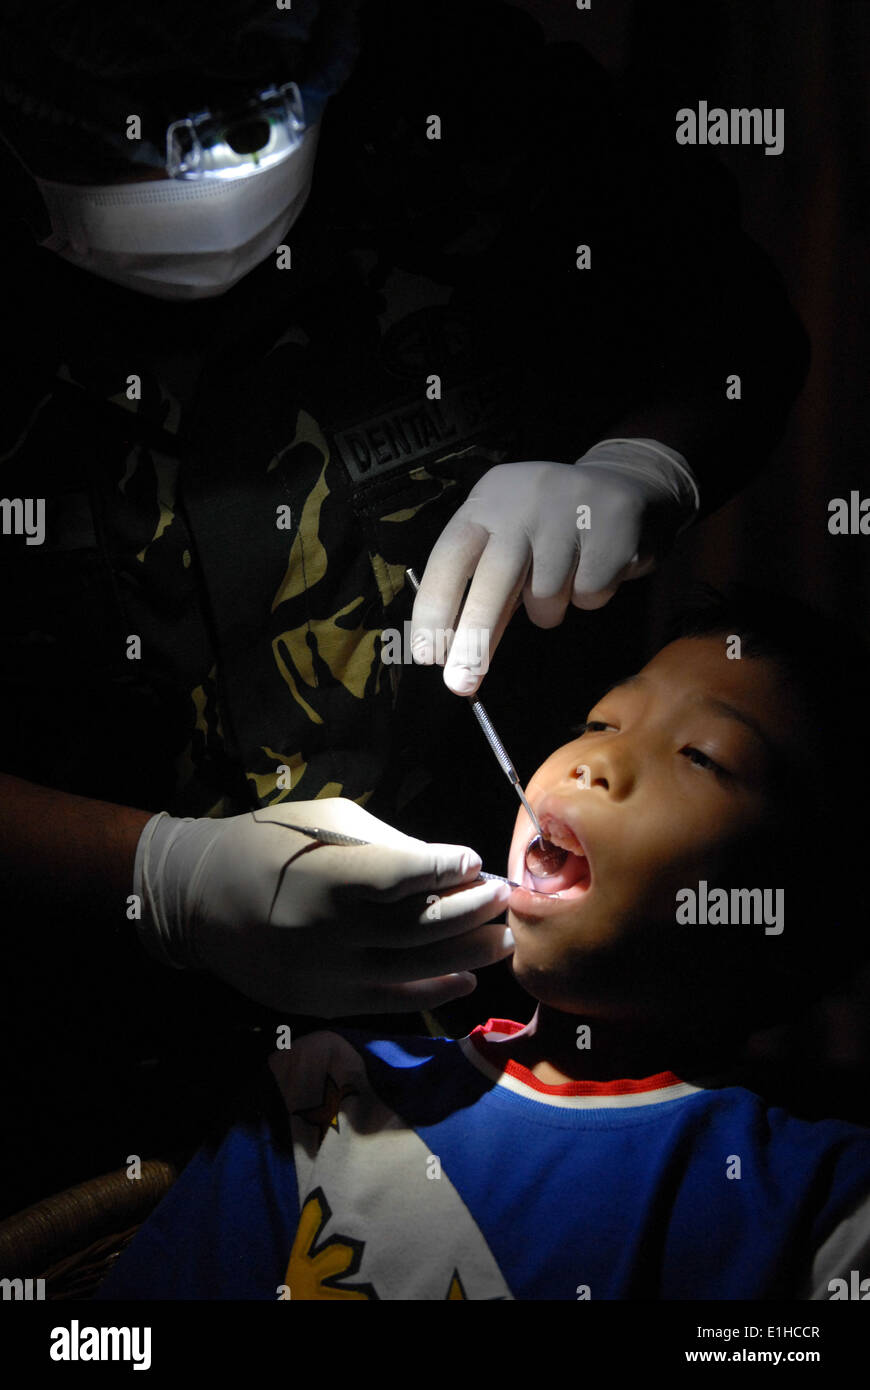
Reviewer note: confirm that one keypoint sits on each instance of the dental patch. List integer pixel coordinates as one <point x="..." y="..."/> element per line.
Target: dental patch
<point x="379" y="1216"/>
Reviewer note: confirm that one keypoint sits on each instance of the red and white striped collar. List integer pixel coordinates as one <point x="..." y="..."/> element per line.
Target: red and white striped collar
<point x="484" y="1048"/>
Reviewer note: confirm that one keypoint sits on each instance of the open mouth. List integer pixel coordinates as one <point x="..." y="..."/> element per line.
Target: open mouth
<point x="563" y="853"/>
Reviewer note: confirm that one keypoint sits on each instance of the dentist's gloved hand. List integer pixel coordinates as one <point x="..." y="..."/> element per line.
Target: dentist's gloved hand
<point x="318" y="929"/>
<point x="522" y="535"/>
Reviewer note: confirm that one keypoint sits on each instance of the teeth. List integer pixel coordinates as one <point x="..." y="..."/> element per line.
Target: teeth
<point x="566" y="842"/>
<point x="554" y="840"/>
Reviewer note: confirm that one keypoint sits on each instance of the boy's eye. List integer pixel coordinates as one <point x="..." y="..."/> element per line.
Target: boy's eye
<point x="701" y="760"/>
<point x="695" y="756"/>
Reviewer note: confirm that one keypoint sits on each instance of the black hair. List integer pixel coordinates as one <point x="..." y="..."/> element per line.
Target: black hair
<point x="824" y="666"/>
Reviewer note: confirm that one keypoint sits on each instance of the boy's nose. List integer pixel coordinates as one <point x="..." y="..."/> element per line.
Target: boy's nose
<point x="606" y="769"/>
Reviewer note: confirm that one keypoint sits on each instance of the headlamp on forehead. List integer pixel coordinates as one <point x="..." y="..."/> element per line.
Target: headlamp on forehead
<point x="237" y="143"/>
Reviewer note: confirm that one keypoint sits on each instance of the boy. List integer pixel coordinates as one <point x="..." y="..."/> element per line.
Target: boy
<point x="598" y="1152"/>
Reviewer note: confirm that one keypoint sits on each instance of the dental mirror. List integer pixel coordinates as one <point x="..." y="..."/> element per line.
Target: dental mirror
<point x="544" y="859"/>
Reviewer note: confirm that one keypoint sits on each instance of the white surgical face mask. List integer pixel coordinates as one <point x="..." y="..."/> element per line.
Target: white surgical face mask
<point x="179" y="238"/>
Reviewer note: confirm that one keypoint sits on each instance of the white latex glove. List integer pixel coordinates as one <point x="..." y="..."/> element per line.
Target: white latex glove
<point x="318" y="929"/>
<point x="517" y="538"/>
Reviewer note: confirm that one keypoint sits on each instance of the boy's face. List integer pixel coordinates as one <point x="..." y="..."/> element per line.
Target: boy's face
<point x="666" y="787"/>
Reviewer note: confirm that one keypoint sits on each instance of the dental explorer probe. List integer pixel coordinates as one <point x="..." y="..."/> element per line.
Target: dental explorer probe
<point x="540" y="843"/>
<point x="493" y="739"/>
<point x="335" y="837"/>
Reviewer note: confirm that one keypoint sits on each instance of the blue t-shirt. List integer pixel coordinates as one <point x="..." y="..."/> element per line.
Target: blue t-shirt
<point x="423" y="1168"/>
